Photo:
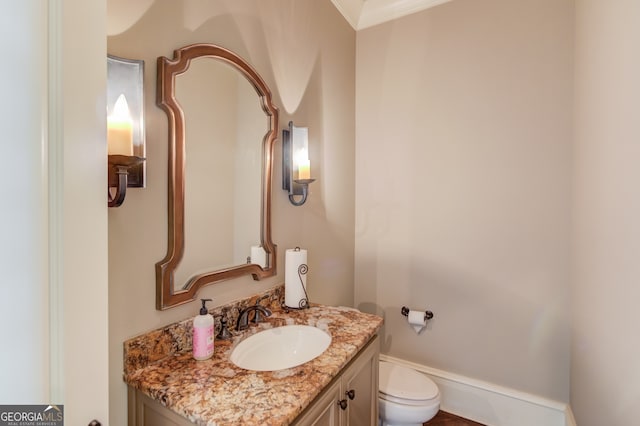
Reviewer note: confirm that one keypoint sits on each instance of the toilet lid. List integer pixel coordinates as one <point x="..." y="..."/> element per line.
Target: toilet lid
<point x="405" y="383"/>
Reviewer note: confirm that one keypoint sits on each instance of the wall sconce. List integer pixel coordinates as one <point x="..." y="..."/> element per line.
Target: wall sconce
<point x="296" y="168"/>
<point x="125" y="127"/>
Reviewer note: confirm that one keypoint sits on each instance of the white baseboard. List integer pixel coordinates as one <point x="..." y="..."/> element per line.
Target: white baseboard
<point x="491" y="404"/>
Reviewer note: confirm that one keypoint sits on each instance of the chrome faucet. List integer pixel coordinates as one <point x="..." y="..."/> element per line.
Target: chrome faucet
<point x="243" y="318"/>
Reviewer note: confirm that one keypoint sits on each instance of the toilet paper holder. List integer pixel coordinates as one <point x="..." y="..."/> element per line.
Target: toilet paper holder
<point x="427" y="314"/>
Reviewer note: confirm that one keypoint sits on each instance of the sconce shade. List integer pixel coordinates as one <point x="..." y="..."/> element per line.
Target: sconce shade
<point x="125" y="87"/>
<point x="125" y="127"/>
<point x="296" y="167"/>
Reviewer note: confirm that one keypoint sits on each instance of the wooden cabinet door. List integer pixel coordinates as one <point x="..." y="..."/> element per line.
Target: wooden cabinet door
<point x="360" y="388"/>
<point x="335" y="407"/>
<point x="325" y="411"/>
<point x="144" y="411"/>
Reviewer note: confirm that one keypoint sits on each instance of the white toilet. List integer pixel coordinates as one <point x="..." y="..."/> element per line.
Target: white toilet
<point x="405" y="397"/>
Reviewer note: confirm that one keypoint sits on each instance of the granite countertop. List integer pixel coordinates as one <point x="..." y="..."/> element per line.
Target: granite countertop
<point x="216" y="392"/>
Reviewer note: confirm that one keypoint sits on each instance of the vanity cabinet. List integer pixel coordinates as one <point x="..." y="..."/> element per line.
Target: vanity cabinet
<point x="144" y="411"/>
<point x="350" y="399"/>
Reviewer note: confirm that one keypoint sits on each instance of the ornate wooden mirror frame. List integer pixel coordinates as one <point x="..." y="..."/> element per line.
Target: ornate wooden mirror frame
<point x="166" y="294"/>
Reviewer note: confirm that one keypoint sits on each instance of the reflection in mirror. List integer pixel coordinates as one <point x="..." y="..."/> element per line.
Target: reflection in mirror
<point x="224" y="124"/>
<point x="222" y="128"/>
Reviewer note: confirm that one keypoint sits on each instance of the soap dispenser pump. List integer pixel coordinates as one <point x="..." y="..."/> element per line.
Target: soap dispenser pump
<point x="203" y="327"/>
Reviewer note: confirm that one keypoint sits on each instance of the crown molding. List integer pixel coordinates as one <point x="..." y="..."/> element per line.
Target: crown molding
<point x="366" y="13"/>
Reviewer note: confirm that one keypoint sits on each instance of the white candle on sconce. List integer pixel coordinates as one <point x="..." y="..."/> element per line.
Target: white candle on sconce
<point x="304" y="169"/>
<point x="120" y="129"/>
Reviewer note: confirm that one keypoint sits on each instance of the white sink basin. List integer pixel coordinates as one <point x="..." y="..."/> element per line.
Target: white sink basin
<point x="280" y="348"/>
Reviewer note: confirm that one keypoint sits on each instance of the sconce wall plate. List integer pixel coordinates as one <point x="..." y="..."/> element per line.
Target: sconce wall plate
<point x="119" y="167"/>
<point x="294" y="150"/>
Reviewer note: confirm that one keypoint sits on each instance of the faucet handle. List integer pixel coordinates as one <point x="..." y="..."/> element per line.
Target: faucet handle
<point x="224" y="333"/>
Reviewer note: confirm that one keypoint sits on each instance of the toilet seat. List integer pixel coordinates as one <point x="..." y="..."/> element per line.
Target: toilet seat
<point x="405" y="386"/>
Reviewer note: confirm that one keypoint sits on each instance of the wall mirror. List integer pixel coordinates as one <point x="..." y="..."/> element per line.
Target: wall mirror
<point x="222" y="129"/>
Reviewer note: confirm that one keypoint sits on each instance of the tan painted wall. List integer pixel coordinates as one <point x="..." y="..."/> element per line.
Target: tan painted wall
<point x="463" y="170"/>
<point x="311" y="73"/>
<point x="605" y="347"/>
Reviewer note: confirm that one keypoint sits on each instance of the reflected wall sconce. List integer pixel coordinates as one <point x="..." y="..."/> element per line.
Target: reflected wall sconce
<point x="296" y="168"/>
<point x="125" y="127"/>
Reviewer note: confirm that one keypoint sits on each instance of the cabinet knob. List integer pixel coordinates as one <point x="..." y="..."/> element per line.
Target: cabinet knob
<point x="343" y="404"/>
<point x="95" y="423"/>
<point x="351" y="394"/>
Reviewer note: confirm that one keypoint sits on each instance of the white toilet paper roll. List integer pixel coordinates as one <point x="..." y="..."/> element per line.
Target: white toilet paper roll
<point x="258" y="256"/>
<point x="417" y="320"/>
<point x="295" y="278"/>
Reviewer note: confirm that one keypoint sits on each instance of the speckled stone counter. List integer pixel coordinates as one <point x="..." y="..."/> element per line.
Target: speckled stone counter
<point x="216" y="392"/>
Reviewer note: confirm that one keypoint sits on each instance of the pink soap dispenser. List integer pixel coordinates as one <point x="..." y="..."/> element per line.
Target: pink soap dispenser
<point x="203" y="333"/>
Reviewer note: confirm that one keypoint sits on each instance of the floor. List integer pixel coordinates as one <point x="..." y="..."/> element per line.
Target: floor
<point x="446" y="419"/>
